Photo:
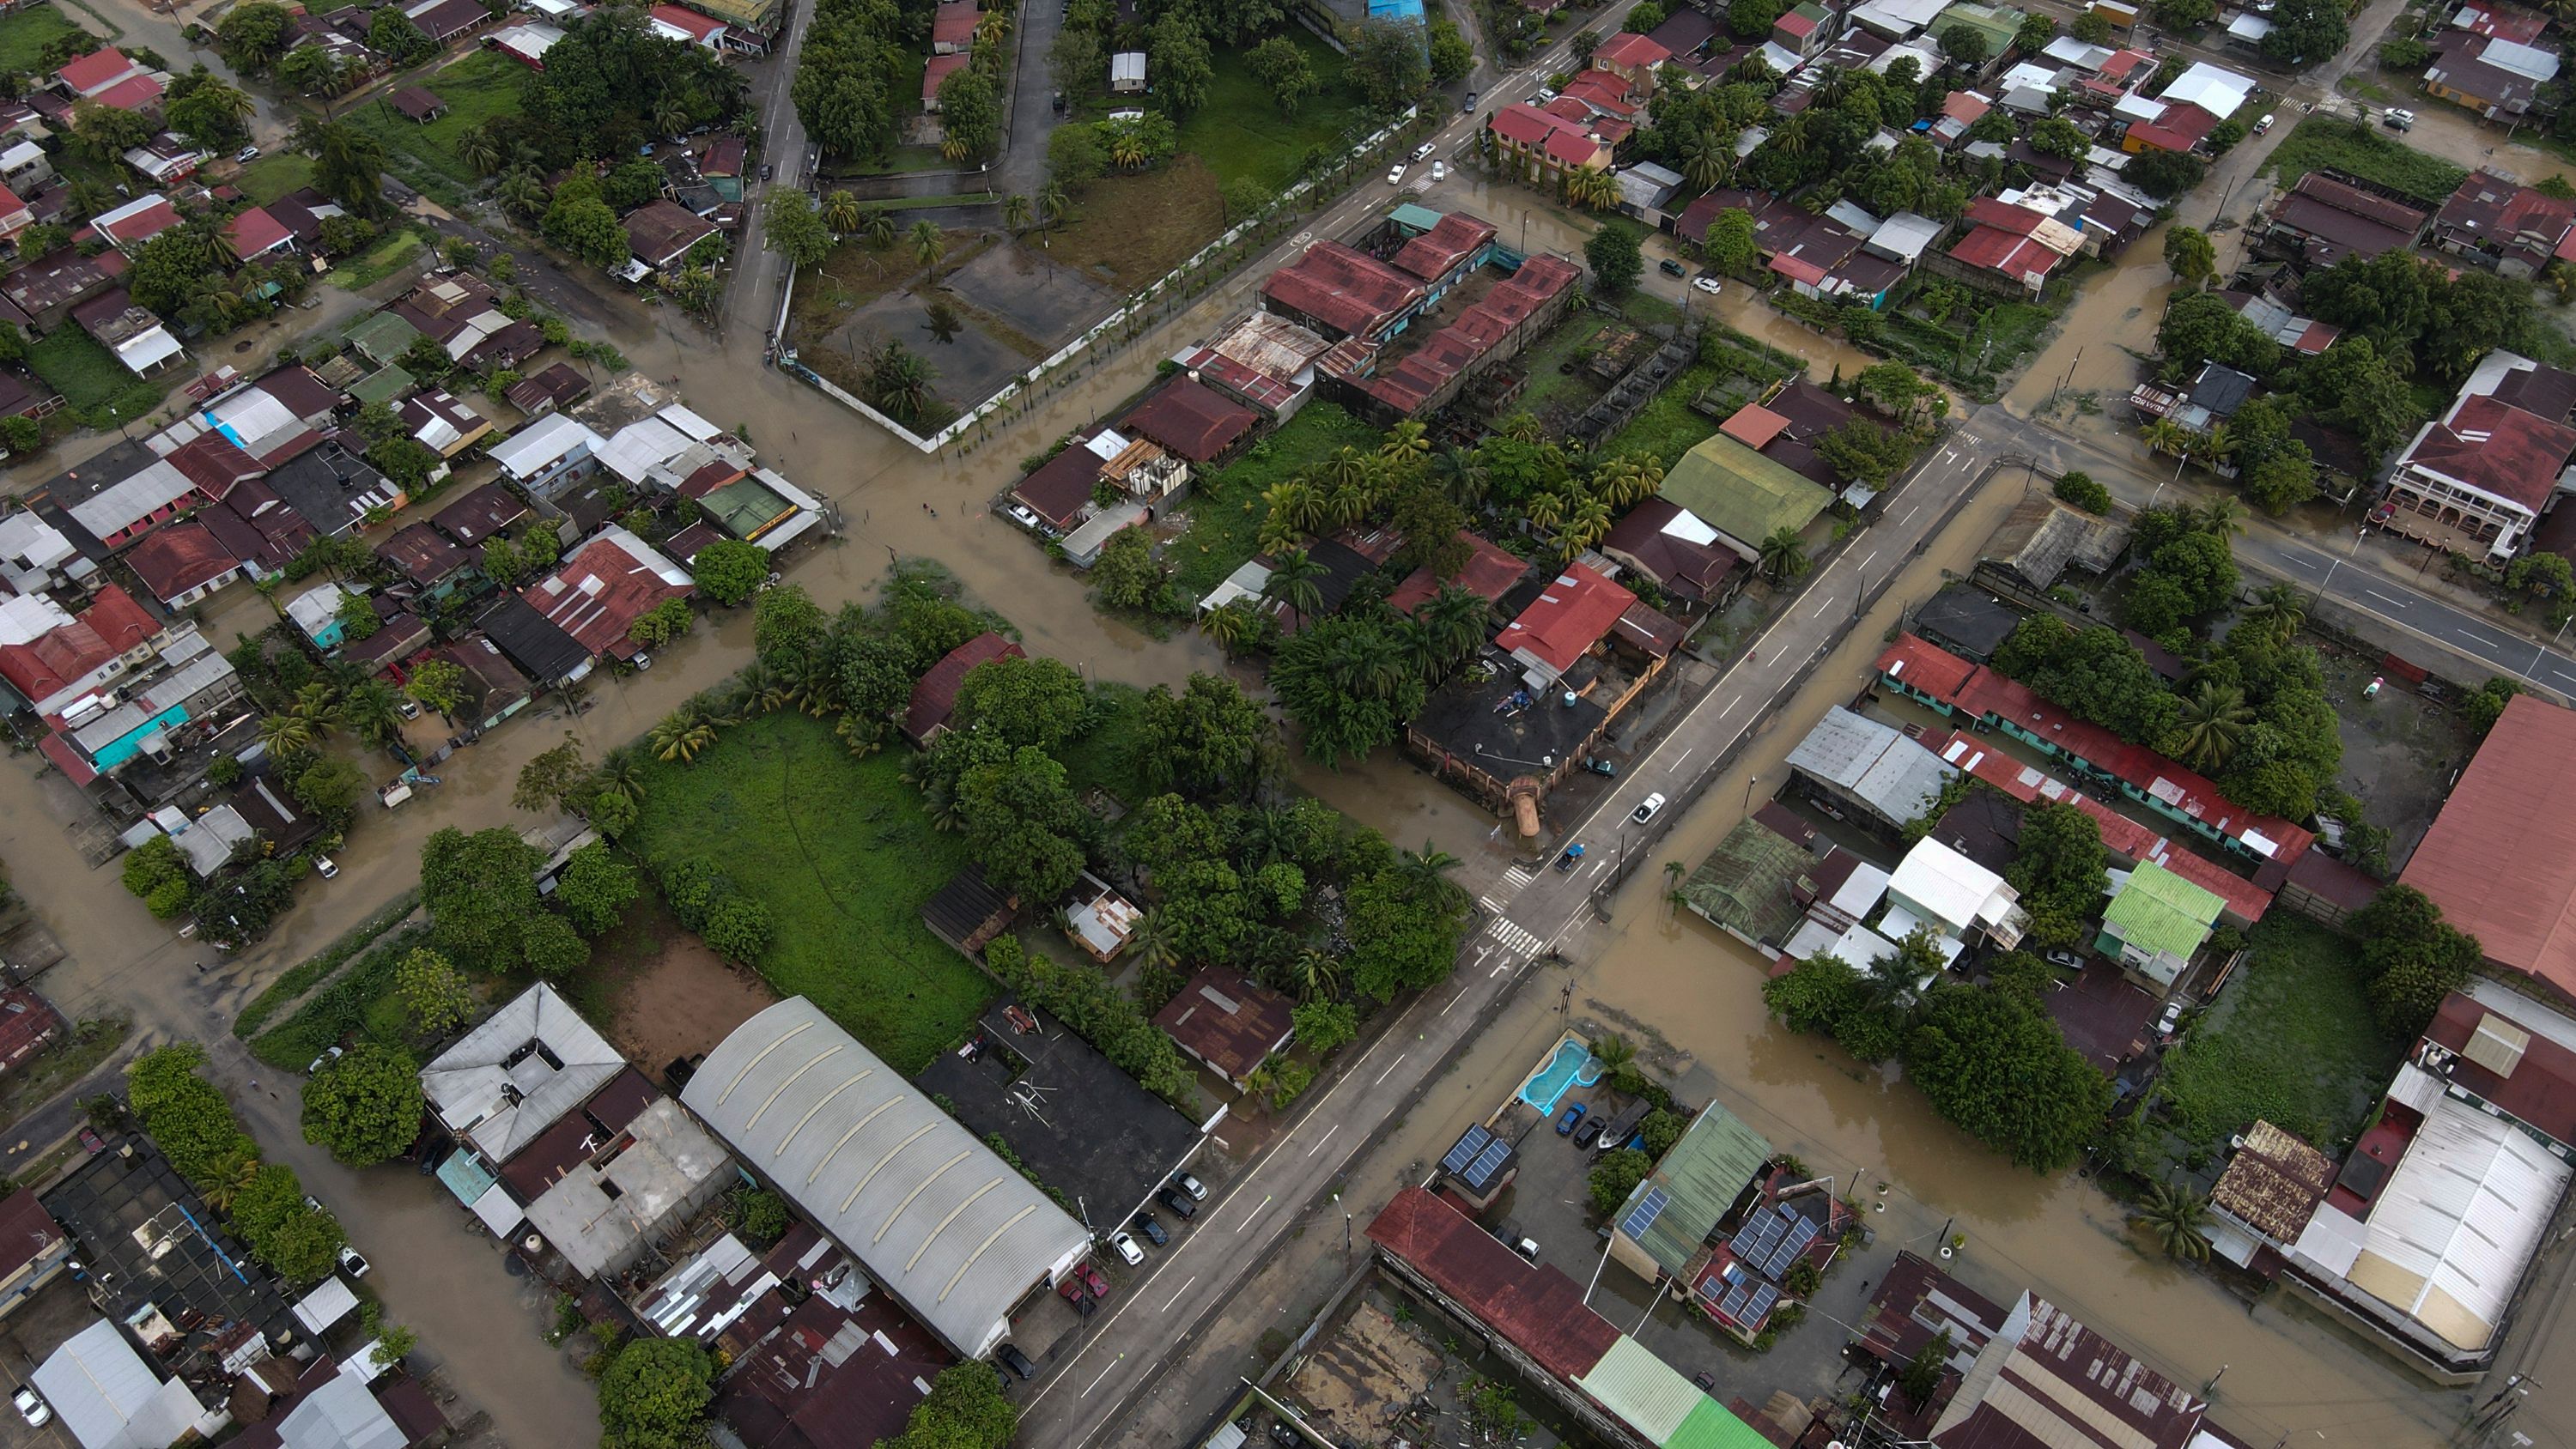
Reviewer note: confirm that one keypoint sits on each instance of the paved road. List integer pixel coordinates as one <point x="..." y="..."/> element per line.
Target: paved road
<point x="760" y="277"/>
<point x="1087" y="1394"/>
<point x="2371" y="577"/>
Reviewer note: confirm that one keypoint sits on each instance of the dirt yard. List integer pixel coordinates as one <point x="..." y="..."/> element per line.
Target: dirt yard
<point x="1360" y="1379"/>
<point x="2398" y="752"/>
<point x="662" y="994"/>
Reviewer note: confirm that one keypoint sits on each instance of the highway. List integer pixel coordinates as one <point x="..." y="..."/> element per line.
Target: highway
<point x="1086" y="1395"/>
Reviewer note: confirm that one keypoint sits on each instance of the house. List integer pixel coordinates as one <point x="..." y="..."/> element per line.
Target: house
<point x="1633" y="58"/>
<point x="2324" y="219"/>
<point x="1542" y="146"/>
<point x="416" y="105"/>
<point x="2479" y="478"/>
<point x="1742" y="496"/>
<point x="554" y="450"/>
<point x="1193" y="421"/>
<point x="253" y="234"/>
<point x="110" y="1397"/>
<point x="129" y="226"/>
<point x="2273" y="1184"/>
<point x="660" y="233"/>
<point x="165" y="159"/>
<point x="608" y="583"/>
<point x="1671" y="548"/>
<point x="1480" y="1165"/>
<point x="424" y="557"/>
<point x="1228" y="1023"/>
<point x="15" y="216"/>
<point x="1937" y="889"/>
<point x="952" y="27"/>
<point x="135" y="335"/>
<point x="934" y="695"/>
<point x="2044" y="1378"/>
<point x="2040" y="540"/>
<point x="182" y="563"/>
<point x="1100" y="920"/>
<point x="479" y="515"/>
<point x="525" y="43"/>
<point x="33" y="1248"/>
<point x="549" y="389"/>
<point x="442" y="422"/>
<point x="1868" y="768"/>
<point x="106" y="76"/>
<point x="494" y="690"/>
<point x="126" y="492"/>
<point x="51" y="659"/>
<point x="1058" y="492"/>
<point x="45" y="290"/>
<point x="1489" y="573"/>
<point x="2498" y="78"/>
<point x="1127" y="73"/>
<point x="1670" y="1214"/>
<point x="2212" y="398"/>
<point x="334" y="1406"/>
<point x="1569" y="619"/>
<point x="444" y="20"/>
<point x="1341" y="292"/>
<point x="970" y="911"/>
<point x="687" y="27"/>
<point x="2492" y="860"/>
<point x="2157" y="921"/>
<point x="2009" y="249"/>
<point x="2301" y="336"/>
<point x="2495" y="222"/>
<point x="1803" y="30"/>
<point x="2430" y="1230"/>
<point x="1264" y="361"/>
<point x="940" y="68"/>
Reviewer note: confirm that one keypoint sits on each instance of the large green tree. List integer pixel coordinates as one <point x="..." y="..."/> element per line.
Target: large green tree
<point x="965" y="1409"/>
<point x="2059" y="868"/>
<point x="1023" y="823"/>
<point x="364" y="1105"/>
<point x="2411" y="957"/>
<point x="654" y="1395"/>
<point x="1996" y="1067"/>
<point x="1402" y="937"/>
<point x="1022" y="700"/>
<point x="481" y="892"/>
<point x="595" y="889"/>
<point x="1390" y="62"/>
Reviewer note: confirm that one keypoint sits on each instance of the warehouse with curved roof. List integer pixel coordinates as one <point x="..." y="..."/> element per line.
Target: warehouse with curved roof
<point x="954" y="1233"/>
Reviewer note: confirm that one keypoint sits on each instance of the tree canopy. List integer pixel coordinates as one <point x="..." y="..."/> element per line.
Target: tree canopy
<point x="2060" y="871"/>
<point x="654" y="1395"/>
<point x="2411" y="958"/>
<point x="364" y="1105"/>
<point x="1997" y="1067"/>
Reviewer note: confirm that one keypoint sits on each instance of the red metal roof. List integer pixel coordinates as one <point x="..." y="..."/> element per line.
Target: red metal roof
<point x="953" y="23"/>
<point x="2541" y="1089"/>
<point x="935" y="696"/>
<point x="27" y="1022"/>
<point x="1567" y="619"/>
<point x="1998" y="250"/>
<point x="131" y="94"/>
<point x="171" y="561"/>
<point x="1489" y="573"/>
<point x="1539" y="1309"/>
<point x="1631" y="49"/>
<point x="1980" y="693"/>
<point x="598" y="592"/>
<point x="2181" y="127"/>
<point x="2496" y="448"/>
<point x="1437" y="252"/>
<point x="112" y="624"/>
<point x="2500" y="859"/>
<point x="1349" y="291"/>
<point x="89" y="72"/>
<point x="1193" y="420"/>
<point x="939" y="68"/>
<point x="27" y="1231"/>
<point x="1797" y="269"/>
<point x="699" y="27"/>
<point x="1754" y="426"/>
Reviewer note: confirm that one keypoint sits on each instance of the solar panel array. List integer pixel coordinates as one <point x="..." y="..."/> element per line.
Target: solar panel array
<point x="1802" y="1231"/>
<point x="1643" y="1215"/>
<point x="1488" y="1162"/>
<point x="1764" y="1295"/>
<point x="1465" y="1152"/>
<point x="1772" y="1240"/>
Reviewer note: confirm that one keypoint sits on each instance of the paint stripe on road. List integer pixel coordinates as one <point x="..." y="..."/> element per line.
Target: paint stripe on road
<point x="1390" y="1070"/>
<point x="1177" y="1292"/>
<point x="1327" y="1137"/>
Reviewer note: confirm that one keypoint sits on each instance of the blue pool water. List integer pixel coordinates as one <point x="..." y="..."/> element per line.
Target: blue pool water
<point x="1572" y="1065"/>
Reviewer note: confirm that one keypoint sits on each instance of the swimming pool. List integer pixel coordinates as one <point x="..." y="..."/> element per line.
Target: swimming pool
<point x="1573" y="1065"/>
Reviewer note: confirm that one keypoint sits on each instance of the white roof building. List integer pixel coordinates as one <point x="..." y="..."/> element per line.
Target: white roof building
<point x="326" y="1305"/>
<point x="2528" y="61"/>
<point x="528" y="43"/>
<point x="601" y="1213"/>
<point x="2084" y="56"/>
<point x="638" y="448"/>
<point x="1871" y="764"/>
<point x="339" y="1413"/>
<point x="1897" y="19"/>
<point x="1903" y="237"/>
<point x="31" y="550"/>
<point x="2212" y="88"/>
<point x="545" y="444"/>
<point x="954" y="1233"/>
<point x="1936" y="886"/>
<point x="510" y="1078"/>
<point x="109" y="1398"/>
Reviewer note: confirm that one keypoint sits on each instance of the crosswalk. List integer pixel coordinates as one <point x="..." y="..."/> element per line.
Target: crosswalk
<point x="1500" y="899"/>
<point x="1513" y="938"/>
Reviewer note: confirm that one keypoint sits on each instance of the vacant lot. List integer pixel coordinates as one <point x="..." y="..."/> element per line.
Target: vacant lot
<point x="1128" y="230"/>
<point x="1240" y="132"/>
<point x="1669" y="426"/>
<point x="2291" y="1041"/>
<point x="659" y="994"/>
<point x="24" y="34"/>
<point x="97" y="387"/>
<point x="480" y="85"/>
<point x="271" y="177"/>
<point x="1226" y="510"/>
<point x="844" y="856"/>
<point x="2320" y="142"/>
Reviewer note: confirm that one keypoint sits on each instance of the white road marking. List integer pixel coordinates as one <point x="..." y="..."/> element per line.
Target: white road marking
<point x="1104" y="1373"/>
<point x="1327" y="1137"/>
<point x="1390" y="1070"/>
<point x="2383" y="598"/>
<point x="1685" y="758"/>
<point x="1256" y="1212"/>
<point x="1177" y="1292"/>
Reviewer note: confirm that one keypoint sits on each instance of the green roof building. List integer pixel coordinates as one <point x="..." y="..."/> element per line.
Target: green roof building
<point x="2156" y="923"/>
<point x="1744" y="886"/>
<point x="1999" y="24"/>
<point x="381" y="337"/>
<point x="1652" y="1397"/>
<point x="1741" y="494"/>
<point x="383" y="385"/>
<point x="1669" y="1216"/>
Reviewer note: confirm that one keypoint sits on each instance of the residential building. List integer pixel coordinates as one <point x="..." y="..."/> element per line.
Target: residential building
<point x="182" y="564"/>
<point x="2157" y="921"/>
<point x="2039" y="541"/>
<point x="444" y="20"/>
<point x="1540" y="147"/>
<point x="1265" y="361"/>
<point x="603" y="587"/>
<point x="1569" y="619"/>
<point x="1670" y="1215"/>
<point x="2045" y="1378"/>
<point x="549" y="454"/>
<point x="1670" y="547"/>
<point x="2498" y="78"/>
<point x="134" y="334"/>
<point x="165" y="159"/>
<point x="1958" y="901"/>
<point x="2273" y="1184"/>
<point x="1228" y="1023"/>
<point x="35" y="557"/>
<point x="2210" y="399"/>
<point x="2510" y="227"/>
<point x="1751" y="885"/>
<point x="2006" y="248"/>
<point x="129" y="226"/>
<point x="107" y="76"/>
<point x="1870" y="769"/>
<point x="2326" y="217"/>
<point x="51" y="660"/>
<point x="2496" y="859"/>
<point x="1098" y="919"/>
<point x="934" y="695"/>
<point x="2479" y="478"/>
<point x="33" y="1248"/>
<point x="45" y="290"/>
<point x="660" y="233"/>
<point x="952" y="27"/>
<point x="254" y="234"/>
<point x="424" y="559"/>
<point x="1489" y="573"/>
<point x="687" y="26"/>
<point x="1411" y="380"/>
<point x="442" y="422"/>
<point x="1742" y="496"/>
<point x="1341" y="292"/>
<point x="108" y="1396"/>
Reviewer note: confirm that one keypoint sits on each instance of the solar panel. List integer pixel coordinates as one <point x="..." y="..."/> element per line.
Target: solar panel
<point x="1764" y="1295"/>
<point x="1643" y="1215"/>
<point x="1488" y="1162"/>
<point x="1800" y="1235"/>
<point x="1466" y="1150"/>
<point x="1732" y="1309"/>
<point x="1755" y="1240"/>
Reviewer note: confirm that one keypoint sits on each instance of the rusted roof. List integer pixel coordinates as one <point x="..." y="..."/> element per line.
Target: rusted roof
<point x="1489" y="573"/>
<point x="1349" y="291"/>
<point x="1191" y="419"/>
<point x="2274" y="1183"/>
<point x="1537" y="1308"/>
<point x="171" y="561"/>
<point x="935" y="696"/>
<point x="1225" y="1019"/>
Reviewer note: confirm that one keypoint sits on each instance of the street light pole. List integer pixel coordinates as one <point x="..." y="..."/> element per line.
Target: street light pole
<point x="1748" y="793"/>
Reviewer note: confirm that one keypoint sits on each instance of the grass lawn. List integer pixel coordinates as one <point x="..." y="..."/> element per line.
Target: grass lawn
<point x="1105" y="759"/>
<point x="1548" y="387"/>
<point x="358" y="1002"/>
<point x="2290" y="1041"/>
<point x="480" y="85"/>
<point x="1669" y="427"/>
<point x="914" y="203"/>
<point x="271" y="177"/>
<point x="93" y="383"/>
<point x="1136" y="228"/>
<point x="377" y="262"/>
<point x="1226" y="510"/>
<point x="843" y="855"/>
<point x="1239" y="132"/>
<point x="2373" y="155"/>
<point x="311" y="971"/>
<point x="24" y="34"/>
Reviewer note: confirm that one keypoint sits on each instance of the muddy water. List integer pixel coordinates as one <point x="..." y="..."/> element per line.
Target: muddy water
<point x="2111" y="324"/>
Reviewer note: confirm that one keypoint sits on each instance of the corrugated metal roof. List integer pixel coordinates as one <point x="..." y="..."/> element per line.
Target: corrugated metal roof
<point x="2160" y="911"/>
<point x="1698" y="1180"/>
<point x="1652" y="1397"/>
<point x="2451" y="1234"/>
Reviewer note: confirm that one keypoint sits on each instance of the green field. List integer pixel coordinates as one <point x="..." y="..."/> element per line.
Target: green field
<point x="1669" y="426"/>
<point x="94" y="385"/>
<point x="2320" y="142"/>
<point x="359" y="1001"/>
<point x="377" y="262"/>
<point x="24" y="34"/>
<point x="271" y="177"/>
<point x="1240" y="132"/>
<point x="1226" y="511"/>
<point x="2291" y="1041"/>
<point x="480" y="85"/>
<point x="844" y="856"/>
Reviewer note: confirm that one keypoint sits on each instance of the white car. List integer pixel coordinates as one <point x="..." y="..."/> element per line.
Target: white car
<point x="2398" y="119"/>
<point x="1708" y="284"/>
<point x="327" y="1058"/>
<point x="1439" y="170"/>
<point x="352" y="1264"/>
<point x="31" y="1408"/>
<point x="1424" y="149"/>
<point x="2263" y="125"/>
<point x="1025" y="516"/>
<point x="246" y="155"/>
<point x="326" y="865"/>
<point x="1545" y="95"/>
<point x="1396" y="176"/>
<point x="1646" y="810"/>
<point x="1127" y="1248"/>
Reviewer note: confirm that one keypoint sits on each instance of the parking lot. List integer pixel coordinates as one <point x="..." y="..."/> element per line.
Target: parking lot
<point x="28" y="1336"/>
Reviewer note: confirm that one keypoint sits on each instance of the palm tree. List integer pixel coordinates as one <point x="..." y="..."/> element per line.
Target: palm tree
<point x="2168" y="437"/>
<point x="2214" y="721"/>
<point x="1461" y="474"/>
<point x="1592" y="190"/>
<point x="2222" y="516"/>
<point x="954" y="149"/>
<point x="1127" y="150"/>
<point x="2276" y="613"/>
<point x="1316" y="974"/>
<point x="523" y="192"/>
<point x="373" y="711"/>
<point x="1428" y="869"/>
<point x="288" y="735"/>
<point x="1405" y="443"/>
<point x="480" y="150"/>
<point x="311" y="70"/>
<point x="1784" y="555"/>
<point x="1268" y="836"/>
<point x="681" y="734"/>
<point x="1457" y="620"/>
<point x="1625" y="482"/>
<point x="991" y="29"/>
<point x="929" y="243"/>
<point x="1053" y="204"/>
<point x="879" y="229"/>
<point x="842" y="213"/>
<point x="225" y="1180"/>
<point x="621" y="773"/>
<point x="1346" y="466"/>
<point x="1295" y="505"/>
<point x="1586" y="524"/>
<point x="1015" y="213"/>
<point x="670" y="117"/>
<point x="1149" y="942"/>
<point x="2175" y="1216"/>
<point x="1295" y="580"/>
<point x="1545" y="510"/>
<point x="1705" y="159"/>
<point x="1232" y="626"/>
<point x="1613" y="1051"/>
<point x="1673" y="882"/>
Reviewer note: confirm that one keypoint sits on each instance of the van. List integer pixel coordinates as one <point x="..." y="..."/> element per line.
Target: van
<point x="2262" y="125"/>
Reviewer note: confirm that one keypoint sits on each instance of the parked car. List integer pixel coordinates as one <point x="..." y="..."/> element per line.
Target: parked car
<point x="1600" y="766"/>
<point x="1439" y="170"/>
<point x="2262" y="125"/>
<point x="1127" y="1248"/>
<point x="326" y="865"/>
<point x="767" y="170"/>
<point x="1092" y="1279"/>
<point x="1672" y="268"/>
<point x="1073" y="1289"/>
<point x="1424" y="149"/>
<point x="246" y="155"/>
<point x="2059" y="956"/>
<point x="1016" y="1361"/>
<point x="327" y="1058"/>
<point x="1527" y="1248"/>
<point x="1706" y="283"/>
<point x="1395" y="177"/>
<point x="2172" y="1018"/>
<point x="1565" y="1124"/>
<point x="31" y="1408"/>
<point x="1591" y="1129"/>
<point x="2399" y="119"/>
<point x="91" y="1142"/>
<point x="1152" y="1228"/>
<point x="312" y="1202"/>
<point x="1545" y="95"/>
<point x="1645" y="811"/>
<point x="1178" y="1203"/>
<point x="352" y="1264"/>
<point x="1191" y="1185"/>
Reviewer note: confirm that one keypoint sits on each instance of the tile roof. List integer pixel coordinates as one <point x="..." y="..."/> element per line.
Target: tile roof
<point x="1631" y="49"/>
<point x="1567" y="619"/>
<point x="1537" y="1308"/>
<point x="1227" y="1020"/>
